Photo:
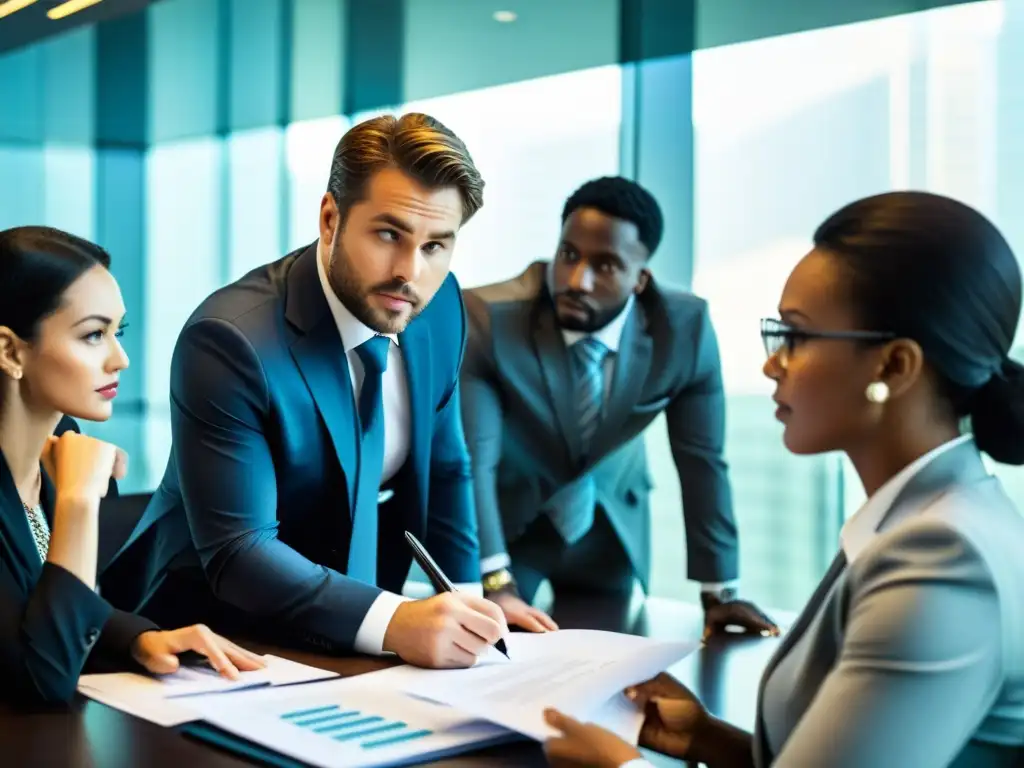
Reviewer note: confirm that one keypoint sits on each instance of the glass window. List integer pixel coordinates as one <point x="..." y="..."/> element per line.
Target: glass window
<point x="256" y="202"/>
<point x="787" y="130"/>
<point x="453" y="46"/>
<point x="184" y="246"/>
<point x="309" y="149"/>
<point x="534" y="142"/>
<point x="69" y="189"/>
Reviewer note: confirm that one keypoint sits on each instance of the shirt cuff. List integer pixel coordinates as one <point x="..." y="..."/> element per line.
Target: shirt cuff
<point x="496" y="562"/>
<point x="638" y="762"/>
<point x="370" y="636"/>
<point x="472" y="588"/>
<point x="718" y="586"/>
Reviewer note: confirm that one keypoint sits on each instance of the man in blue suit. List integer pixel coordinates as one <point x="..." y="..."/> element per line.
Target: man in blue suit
<point x="315" y="418"/>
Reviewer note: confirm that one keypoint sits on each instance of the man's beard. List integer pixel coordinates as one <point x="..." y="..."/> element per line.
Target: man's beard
<point x="595" y="320"/>
<point x="354" y="296"/>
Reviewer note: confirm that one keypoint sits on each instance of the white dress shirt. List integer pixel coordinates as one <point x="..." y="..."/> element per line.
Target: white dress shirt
<point x="395" y="394"/>
<point x="862" y="526"/>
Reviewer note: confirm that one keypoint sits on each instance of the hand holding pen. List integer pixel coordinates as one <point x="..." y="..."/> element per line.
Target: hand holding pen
<point x="449" y="630"/>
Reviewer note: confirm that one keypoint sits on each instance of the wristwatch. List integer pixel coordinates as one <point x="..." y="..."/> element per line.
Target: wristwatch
<point x="710" y="599"/>
<point x="499" y="581"/>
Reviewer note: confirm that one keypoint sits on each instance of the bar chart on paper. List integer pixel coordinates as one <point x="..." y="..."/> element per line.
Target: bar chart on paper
<point x="348" y="724"/>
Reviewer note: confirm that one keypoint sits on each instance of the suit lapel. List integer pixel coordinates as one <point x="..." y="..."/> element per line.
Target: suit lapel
<point x="632" y="364"/>
<point x="553" y="359"/>
<point x="961" y="465"/>
<point x="795" y="632"/>
<point x="15" y="534"/>
<point x="414" y="344"/>
<point x="320" y="357"/>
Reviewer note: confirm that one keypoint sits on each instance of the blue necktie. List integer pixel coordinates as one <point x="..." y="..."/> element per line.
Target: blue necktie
<point x="574" y="505"/>
<point x="588" y="367"/>
<point x="362" y="553"/>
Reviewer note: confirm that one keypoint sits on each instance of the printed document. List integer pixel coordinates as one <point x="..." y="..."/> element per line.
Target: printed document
<point x="163" y="699"/>
<point x="575" y="671"/>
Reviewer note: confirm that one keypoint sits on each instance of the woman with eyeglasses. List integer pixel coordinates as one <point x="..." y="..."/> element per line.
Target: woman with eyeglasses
<point x="60" y="356"/>
<point x="893" y="331"/>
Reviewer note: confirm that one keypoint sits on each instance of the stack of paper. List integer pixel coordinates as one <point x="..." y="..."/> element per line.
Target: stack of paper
<point x="164" y="699"/>
<point x="406" y="714"/>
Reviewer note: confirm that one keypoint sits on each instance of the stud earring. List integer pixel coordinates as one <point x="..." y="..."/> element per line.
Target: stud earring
<point x="877" y="392"/>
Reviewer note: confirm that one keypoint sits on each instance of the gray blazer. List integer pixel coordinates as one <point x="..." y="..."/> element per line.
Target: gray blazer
<point x="521" y="430"/>
<point x="913" y="655"/>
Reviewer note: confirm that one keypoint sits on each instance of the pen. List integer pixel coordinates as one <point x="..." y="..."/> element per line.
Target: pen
<point x="437" y="577"/>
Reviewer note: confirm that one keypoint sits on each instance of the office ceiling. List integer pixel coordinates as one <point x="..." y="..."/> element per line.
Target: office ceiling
<point x="31" y="24"/>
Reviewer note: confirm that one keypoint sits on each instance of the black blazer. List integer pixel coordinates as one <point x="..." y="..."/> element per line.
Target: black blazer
<point x="50" y="622"/>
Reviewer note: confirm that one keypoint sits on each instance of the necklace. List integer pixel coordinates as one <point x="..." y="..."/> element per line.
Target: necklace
<point x="40" y="529"/>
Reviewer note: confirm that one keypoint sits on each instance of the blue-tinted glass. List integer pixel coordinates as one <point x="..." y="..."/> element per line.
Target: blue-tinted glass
<point x="185" y="67"/>
<point x="317" y="58"/>
<point x="256" y="201"/>
<point x="21" y="83"/>
<point x="309" y="149"/>
<point x="69" y="91"/>
<point x="69" y="174"/>
<point x="256" y="47"/>
<point x="534" y="142"/>
<point x="453" y="46"/>
<point x="23" y="202"/>
<point x="184" y="246"/>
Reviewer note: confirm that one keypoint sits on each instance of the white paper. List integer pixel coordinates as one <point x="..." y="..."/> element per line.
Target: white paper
<point x="575" y="671"/>
<point x="620" y="716"/>
<point x="162" y="699"/>
<point x="155" y="709"/>
<point x="355" y="722"/>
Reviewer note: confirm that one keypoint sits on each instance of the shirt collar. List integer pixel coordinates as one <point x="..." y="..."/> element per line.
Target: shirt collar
<point x="352" y="331"/>
<point x="610" y="335"/>
<point x="863" y="525"/>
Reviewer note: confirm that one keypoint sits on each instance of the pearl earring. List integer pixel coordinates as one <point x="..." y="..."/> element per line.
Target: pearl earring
<point x="877" y="392"/>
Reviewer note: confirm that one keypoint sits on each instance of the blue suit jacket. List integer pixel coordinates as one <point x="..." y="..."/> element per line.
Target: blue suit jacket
<point x="265" y="449"/>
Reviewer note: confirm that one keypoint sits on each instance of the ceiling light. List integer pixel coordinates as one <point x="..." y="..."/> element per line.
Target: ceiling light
<point x="71" y="6"/>
<point x="505" y="16"/>
<point x="10" y="6"/>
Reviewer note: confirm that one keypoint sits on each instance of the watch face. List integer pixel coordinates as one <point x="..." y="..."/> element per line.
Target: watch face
<point x="711" y="599"/>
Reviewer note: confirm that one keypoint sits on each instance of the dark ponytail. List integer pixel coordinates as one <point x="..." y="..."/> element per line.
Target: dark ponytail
<point x="997" y="414"/>
<point x="931" y="269"/>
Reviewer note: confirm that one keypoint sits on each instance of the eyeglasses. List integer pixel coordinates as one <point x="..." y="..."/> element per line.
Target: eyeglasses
<point x="780" y="339"/>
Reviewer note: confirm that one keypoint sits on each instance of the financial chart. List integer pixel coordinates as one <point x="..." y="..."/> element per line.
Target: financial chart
<point x="348" y="723"/>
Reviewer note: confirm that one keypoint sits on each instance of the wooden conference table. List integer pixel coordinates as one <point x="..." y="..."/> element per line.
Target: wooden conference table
<point x="86" y="734"/>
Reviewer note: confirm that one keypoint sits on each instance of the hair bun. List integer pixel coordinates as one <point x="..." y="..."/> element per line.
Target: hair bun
<point x="997" y="415"/>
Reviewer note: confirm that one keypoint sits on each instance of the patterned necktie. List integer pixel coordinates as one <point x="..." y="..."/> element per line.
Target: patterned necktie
<point x="362" y="552"/>
<point x="574" y="504"/>
<point x="588" y="368"/>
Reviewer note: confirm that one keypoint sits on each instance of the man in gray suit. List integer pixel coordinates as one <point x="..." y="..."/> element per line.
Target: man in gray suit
<point x="565" y="367"/>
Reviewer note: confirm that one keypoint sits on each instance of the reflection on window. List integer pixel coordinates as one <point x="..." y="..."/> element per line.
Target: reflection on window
<point x="787" y="130"/>
<point x="309" y="149"/>
<point x="70" y="173"/>
<point x="534" y="142"/>
<point x="24" y="202"/>
<point x="256" y="202"/>
<point x="184" y="245"/>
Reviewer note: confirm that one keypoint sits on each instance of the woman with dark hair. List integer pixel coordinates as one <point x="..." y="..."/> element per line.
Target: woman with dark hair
<point x="892" y="330"/>
<point x="60" y="357"/>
